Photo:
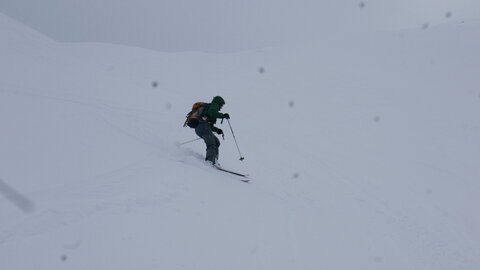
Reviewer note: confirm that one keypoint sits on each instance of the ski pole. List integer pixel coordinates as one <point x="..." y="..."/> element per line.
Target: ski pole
<point x="235" y="139"/>
<point x="180" y="144"/>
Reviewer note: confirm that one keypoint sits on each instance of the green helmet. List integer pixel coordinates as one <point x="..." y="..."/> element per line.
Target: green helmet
<point x="218" y="100"/>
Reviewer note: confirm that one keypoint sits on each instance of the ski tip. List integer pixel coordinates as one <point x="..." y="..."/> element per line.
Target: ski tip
<point x="244" y="176"/>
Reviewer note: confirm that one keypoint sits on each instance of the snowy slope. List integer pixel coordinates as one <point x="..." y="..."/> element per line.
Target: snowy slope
<point x="363" y="152"/>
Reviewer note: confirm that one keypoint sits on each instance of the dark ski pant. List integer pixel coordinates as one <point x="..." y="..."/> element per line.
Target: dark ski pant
<point x="204" y="131"/>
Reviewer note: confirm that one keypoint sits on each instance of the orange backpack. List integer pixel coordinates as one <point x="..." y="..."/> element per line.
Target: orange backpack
<point x="195" y="115"/>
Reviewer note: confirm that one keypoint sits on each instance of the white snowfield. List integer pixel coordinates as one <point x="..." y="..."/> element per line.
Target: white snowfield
<point x="364" y="153"/>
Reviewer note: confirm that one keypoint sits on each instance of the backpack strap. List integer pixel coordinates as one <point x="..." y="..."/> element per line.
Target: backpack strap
<point x="204" y="110"/>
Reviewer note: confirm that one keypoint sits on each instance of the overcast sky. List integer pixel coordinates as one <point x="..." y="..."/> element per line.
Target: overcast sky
<point x="226" y="25"/>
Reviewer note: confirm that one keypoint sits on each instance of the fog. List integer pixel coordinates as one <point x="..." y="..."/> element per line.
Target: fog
<point x="226" y="26"/>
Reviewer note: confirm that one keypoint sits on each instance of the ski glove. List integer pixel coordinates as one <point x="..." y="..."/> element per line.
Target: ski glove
<point x="219" y="131"/>
<point x="226" y="115"/>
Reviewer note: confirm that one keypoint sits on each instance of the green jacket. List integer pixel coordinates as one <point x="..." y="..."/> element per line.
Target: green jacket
<point x="212" y="111"/>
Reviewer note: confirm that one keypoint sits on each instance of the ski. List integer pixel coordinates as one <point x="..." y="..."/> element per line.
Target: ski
<point x="246" y="179"/>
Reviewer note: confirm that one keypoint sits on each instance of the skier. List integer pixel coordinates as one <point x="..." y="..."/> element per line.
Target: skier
<point x="206" y="127"/>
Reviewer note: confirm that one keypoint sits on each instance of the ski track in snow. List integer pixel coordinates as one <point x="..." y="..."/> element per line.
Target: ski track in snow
<point x="48" y="220"/>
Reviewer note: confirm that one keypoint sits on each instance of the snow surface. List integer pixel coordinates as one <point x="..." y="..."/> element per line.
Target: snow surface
<point x="364" y="154"/>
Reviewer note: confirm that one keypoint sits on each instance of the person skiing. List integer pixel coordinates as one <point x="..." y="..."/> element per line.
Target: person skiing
<point x="206" y="127"/>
